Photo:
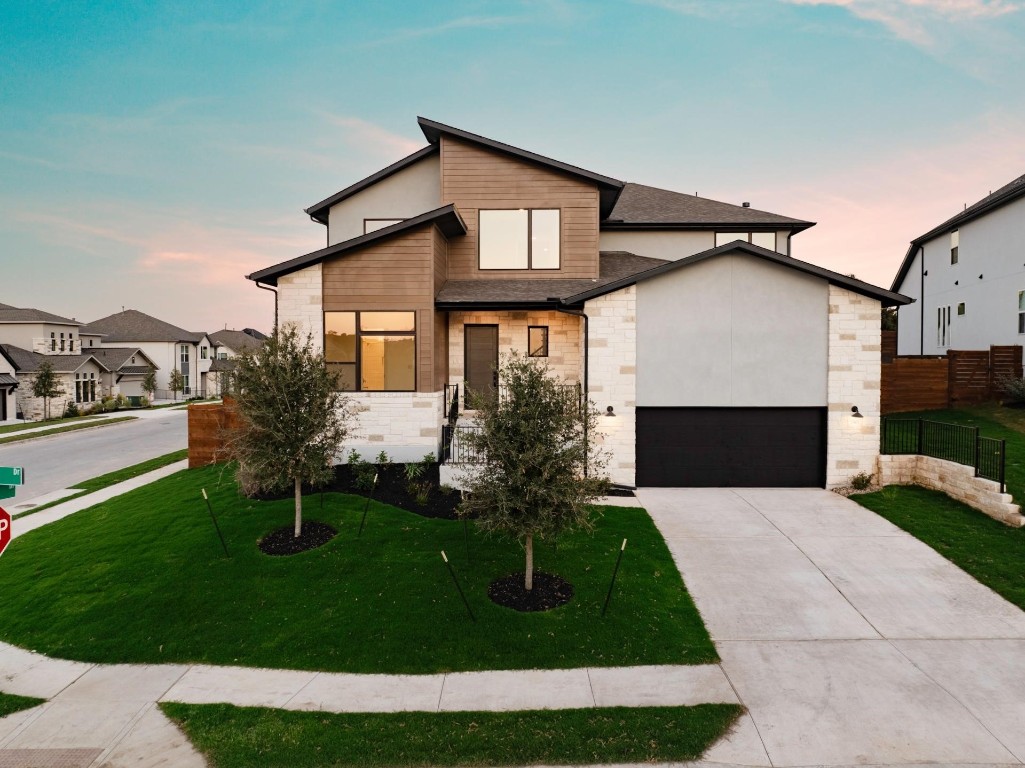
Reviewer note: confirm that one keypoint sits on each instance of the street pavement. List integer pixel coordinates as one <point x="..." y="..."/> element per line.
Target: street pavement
<point x="59" y="461"/>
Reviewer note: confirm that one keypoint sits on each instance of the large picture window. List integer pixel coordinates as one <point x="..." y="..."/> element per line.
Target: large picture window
<point x="371" y="351"/>
<point x="519" y="239"/>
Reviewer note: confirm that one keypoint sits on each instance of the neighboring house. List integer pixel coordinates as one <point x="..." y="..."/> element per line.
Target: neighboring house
<point x="127" y="369"/>
<point x="38" y="331"/>
<point x="717" y="358"/>
<point x="8" y="387"/>
<point x="79" y="376"/>
<point x="166" y="346"/>
<point x="227" y="346"/>
<point x="967" y="279"/>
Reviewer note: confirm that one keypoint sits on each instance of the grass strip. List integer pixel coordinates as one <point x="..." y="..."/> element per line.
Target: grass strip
<point x="990" y="551"/>
<point x="113" y="478"/>
<point x="236" y="737"/>
<point x="150" y="563"/>
<point x="7" y="428"/>
<point x="69" y="428"/>
<point x="9" y="703"/>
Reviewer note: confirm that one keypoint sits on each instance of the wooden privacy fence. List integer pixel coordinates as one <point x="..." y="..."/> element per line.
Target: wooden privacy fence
<point x="961" y="378"/>
<point x="208" y="427"/>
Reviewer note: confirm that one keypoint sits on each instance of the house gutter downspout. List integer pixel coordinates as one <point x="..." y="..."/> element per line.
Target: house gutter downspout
<point x="587" y="400"/>
<point x="921" y="298"/>
<point x="275" y="291"/>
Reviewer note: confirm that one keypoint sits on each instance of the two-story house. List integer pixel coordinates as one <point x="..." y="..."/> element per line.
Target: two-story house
<point x="967" y="279"/>
<point x="229" y="344"/>
<point x="716" y="357"/>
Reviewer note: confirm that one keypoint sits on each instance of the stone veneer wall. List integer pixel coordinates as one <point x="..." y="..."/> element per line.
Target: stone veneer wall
<point x="564" y="351"/>
<point x="612" y="378"/>
<point x="32" y="407"/>
<point x="955" y="480"/>
<point x="853" y="380"/>
<point x="301" y="301"/>
<point x="405" y="425"/>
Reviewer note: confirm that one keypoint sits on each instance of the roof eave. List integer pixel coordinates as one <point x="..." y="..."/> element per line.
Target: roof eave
<point x="497" y="305"/>
<point x="793" y="226"/>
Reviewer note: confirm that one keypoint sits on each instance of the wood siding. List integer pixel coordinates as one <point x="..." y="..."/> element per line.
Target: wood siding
<point x="473" y="178"/>
<point x="397" y="274"/>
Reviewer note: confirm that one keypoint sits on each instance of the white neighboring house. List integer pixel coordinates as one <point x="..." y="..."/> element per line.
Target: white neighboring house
<point x="167" y="346"/>
<point x="80" y="380"/>
<point x="39" y="331"/>
<point x="8" y="387"/>
<point x="967" y="277"/>
<point x="229" y="344"/>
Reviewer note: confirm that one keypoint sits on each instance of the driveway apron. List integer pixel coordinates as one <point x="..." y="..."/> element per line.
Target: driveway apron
<point x="849" y="641"/>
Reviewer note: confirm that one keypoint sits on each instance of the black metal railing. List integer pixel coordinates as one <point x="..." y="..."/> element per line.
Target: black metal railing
<point x="450" y="405"/>
<point x="950" y="442"/>
<point x="572" y="393"/>
<point x="455" y="449"/>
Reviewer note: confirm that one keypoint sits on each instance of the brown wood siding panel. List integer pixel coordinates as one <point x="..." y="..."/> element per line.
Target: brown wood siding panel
<point x="440" y="260"/>
<point x="397" y="274"/>
<point x="474" y="178"/>
<point x="440" y="350"/>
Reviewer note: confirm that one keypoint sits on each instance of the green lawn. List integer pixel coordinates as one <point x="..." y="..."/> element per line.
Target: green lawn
<point x="993" y="421"/>
<point x="988" y="550"/>
<point x="9" y="703"/>
<point x="142" y="578"/>
<point x="112" y="478"/>
<point x="90" y="424"/>
<point x="234" y="737"/>
<point x="54" y="422"/>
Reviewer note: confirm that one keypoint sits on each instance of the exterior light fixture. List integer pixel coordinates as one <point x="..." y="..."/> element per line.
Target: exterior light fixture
<point x="856" y="413"/>
<point x="610" y="412"/>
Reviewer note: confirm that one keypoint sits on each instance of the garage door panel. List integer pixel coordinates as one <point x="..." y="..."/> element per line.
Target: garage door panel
<point x="731" y="447"/>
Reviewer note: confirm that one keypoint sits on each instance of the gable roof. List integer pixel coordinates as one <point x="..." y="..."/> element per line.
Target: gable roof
<point x="1006" y="194"/>
<point x="133" y="325"/>
<point x="447" y="219"/>
<point x="28" y="362"/>
<point x="609" y="188"/>
<point x="115" y="358"/>
<point x="545" y="292"/>
<point x="236" y="340"/>
<point x="640" y="206"/>
<point x="319" y="211"/>
<point x="9" y="314"/>
<point x="887" y="298"/>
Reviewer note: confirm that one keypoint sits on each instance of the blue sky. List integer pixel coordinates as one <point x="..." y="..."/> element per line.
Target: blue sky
<point x="151" y="154"/>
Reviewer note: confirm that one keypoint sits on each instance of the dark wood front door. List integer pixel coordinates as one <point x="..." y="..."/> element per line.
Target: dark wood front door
<point x="481" y="363"/>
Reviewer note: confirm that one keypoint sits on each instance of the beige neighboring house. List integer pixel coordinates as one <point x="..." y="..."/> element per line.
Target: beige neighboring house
<point x="80" y="380"/>
<point x="717" y="357"/>
<point x="39" y="331"/>
<point x="165" y="345"/>
<point x="127" y="366"/>
<point x="229" y="344"/>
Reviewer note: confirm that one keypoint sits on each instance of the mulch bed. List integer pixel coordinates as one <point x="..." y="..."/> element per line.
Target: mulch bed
<point x="282" y="541"/>
<point x="392" y="488"/>
<point x="550" y="591"/>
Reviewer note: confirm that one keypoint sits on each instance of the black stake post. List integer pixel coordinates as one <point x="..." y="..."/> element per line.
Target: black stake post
<point x="367" y="506"/>
<point x="613" y="582"/>
<point x="466" y="538"/>
<point x="216" y="526"/>
<point x="456" y="582"/>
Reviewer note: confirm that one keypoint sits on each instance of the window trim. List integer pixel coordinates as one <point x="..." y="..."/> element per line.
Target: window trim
<point x="955" y="242"/>
<point x="359" y="346"/>
<point x="547" y="336"/>
<point x="530" y="242"/>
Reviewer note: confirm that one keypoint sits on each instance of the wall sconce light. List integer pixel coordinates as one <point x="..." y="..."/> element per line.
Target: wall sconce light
<point x="610" y="412"/>
<point x="980" y="277"/>
<point x="856" y="413"/>
<point x="956" y="282"/>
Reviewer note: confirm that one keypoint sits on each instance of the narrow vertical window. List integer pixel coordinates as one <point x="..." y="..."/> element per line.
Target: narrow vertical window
<point x="954" y="240"/>
<point x="537" y="341"/>
<point x="1021" y="311"/>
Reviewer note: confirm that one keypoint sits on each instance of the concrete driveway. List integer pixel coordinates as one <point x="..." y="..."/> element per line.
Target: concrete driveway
<point x="849" y="641"/>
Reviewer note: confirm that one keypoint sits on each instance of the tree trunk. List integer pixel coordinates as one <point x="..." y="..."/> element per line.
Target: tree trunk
<point x="528" y="575"/>
<point x="298" y="507"/>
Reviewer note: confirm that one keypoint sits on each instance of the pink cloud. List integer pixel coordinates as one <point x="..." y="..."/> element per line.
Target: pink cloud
<point x="370" y="137"/>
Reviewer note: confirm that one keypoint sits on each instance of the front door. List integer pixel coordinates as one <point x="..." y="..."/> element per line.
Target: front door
<point x="481" y="364"/>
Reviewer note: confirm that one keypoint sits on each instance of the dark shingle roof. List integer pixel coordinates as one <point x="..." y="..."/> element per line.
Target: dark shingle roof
<point x="115" y="358"/>
<point x="29" y="362"/>
<point x="133" y="325"/>
<point x="6" y="380"/>
<point x="614" y="265"/>
<point x="219" y="366"/>
<point x="642" y="205"/>
<point x="132" y="370"/>
<point x="9" y="314"/>
<point x="235" y="340"/>
<point x="1006" y="194"/>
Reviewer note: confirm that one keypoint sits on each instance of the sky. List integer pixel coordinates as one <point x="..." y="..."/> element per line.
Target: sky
<point x="154" y="153"/>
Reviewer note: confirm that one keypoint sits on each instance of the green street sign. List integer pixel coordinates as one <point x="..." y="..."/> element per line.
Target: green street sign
<point x="6" y="491"/>
<point x="12" y="476"/>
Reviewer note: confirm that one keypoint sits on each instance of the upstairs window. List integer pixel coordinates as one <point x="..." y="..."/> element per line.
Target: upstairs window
<point x="371" y="351"/>
<point x="960" y="308"/>
<point x="1021" y="311"/>
<point x="202" y="352"/>
<point x="766" y="240"/>
<point x="519" y="239"/>
<point x="954" y="240"/>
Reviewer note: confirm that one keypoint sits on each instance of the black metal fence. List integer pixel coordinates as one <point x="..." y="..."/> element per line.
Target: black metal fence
<point x="455" y="449"/>
<point x="950" y="442"/>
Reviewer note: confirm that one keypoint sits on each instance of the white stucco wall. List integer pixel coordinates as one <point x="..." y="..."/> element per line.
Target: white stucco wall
<point x="854" y="373"/>
<point x="301" y="301"/>
<point x="410" y="192"/>
<point x="732" y="331"/>
<point x="9" y="411"/>
<point x="669" y="245"/>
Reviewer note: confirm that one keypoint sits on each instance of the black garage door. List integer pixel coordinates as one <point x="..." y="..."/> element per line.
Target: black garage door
<point x="731" y="447"/>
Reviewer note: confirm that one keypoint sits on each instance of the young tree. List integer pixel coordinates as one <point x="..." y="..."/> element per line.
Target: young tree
<point x="291" y="419"/>
<point x="176" y="382"/>
<point x="539" y="468"/>
<point x="46" y="385"/>
<point x="149" y="382"/>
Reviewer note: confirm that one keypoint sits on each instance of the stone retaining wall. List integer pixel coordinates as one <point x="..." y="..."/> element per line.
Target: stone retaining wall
<point x="955" y="480"/>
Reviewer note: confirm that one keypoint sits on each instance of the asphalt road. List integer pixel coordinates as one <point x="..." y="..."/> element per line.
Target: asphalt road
<point x="52" y="463"/>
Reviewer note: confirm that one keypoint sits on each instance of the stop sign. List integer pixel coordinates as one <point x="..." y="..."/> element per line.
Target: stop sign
<point x="5" y="529"/>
